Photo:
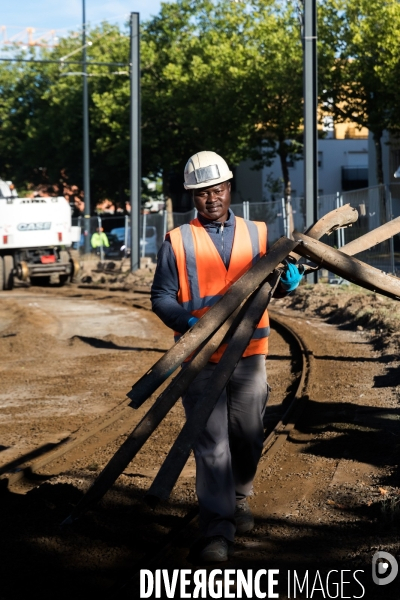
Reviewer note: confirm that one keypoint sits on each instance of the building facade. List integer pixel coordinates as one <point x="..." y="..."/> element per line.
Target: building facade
<point x="343" y="165"/>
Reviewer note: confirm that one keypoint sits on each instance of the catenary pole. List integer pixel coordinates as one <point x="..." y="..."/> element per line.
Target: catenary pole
<point x="310" y="92"/>
<point x="135" y="142"/>
<point x="86" y="161"/>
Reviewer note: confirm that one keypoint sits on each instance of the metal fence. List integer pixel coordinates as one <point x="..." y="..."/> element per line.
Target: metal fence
<point x="375" y="206"/>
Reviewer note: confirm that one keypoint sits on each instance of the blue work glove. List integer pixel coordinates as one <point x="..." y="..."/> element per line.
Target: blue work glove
<point x="291" y="277"/>
<point x="192" y="321"/>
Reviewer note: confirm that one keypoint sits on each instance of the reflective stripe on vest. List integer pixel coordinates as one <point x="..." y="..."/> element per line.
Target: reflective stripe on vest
<point x="203" y="277"/>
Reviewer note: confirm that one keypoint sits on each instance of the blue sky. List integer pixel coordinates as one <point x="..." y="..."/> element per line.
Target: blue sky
<point x="66" y="15"/>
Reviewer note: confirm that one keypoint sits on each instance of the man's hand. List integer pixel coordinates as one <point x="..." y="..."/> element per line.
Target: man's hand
<point x="290" y="277"/>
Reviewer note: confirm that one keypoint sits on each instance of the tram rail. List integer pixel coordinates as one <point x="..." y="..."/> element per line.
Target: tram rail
<point x="276" y="436"/>
<point x="171" y="543"/>
<point x="17" y="471"/>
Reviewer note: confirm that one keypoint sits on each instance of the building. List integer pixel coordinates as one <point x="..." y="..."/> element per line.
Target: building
<point x="343" y="165"/>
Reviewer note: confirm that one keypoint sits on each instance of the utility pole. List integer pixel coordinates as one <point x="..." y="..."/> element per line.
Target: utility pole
<point x="310" y="92"/>
<point x="310" y="87"/>
<point x="86" y="161"/>
<point x="135" y="142"/>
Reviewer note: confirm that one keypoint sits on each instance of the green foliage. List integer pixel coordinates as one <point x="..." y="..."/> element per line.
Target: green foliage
<point x="221" y="75"/>
<point x="198" y="65"/>
<point x="362" y="64"/>
<point x="225" y="76"/>
<point x="41" y="116"/>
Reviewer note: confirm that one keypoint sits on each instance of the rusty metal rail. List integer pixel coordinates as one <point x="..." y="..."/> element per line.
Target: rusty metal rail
<point x="193" y="340"/>
<point x="287" y="422"/>
<point x="19" y="469"/>
<point x="348" y="267"/>
<point x="274" y="441"/>
<point x="181" y="536"/>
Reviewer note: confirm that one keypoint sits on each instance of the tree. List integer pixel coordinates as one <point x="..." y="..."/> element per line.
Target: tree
<point x="365" y="58"/>
<point x="41" y="115"/>
<point x="218" y="75"/>
<point x="197" y="57"/>
<point x="278" y="89"/>
<point x="22" y="91"/>
<point x="215" y="74"/>
<point x="228" y="76"/>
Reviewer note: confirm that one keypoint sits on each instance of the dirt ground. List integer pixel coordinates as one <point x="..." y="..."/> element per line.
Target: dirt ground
<point x="327" y="499"/>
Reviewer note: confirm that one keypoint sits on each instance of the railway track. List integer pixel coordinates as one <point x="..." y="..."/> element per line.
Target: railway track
<point x="290" y="435"/>
<point x="121" y="419"/>
<point x="278" y="427"/>
<point x="48" y="458"/>
<point x="292" y="429"/>
<point x="109" y="427"/>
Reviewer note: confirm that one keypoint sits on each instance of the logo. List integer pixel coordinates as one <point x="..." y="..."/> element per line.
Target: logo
<point x="33" y="201"/>
<point x="33" y="226"/>
<point x="384" y="568"/>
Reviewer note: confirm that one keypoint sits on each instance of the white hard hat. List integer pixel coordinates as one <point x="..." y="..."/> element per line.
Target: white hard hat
<point x="204" y="169"/>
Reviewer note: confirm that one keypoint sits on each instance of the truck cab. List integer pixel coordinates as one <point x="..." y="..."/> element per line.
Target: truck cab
<point x="36" y="236"/>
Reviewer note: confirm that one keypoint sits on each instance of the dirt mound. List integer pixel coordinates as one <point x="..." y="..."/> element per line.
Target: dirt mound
<point x="116" y="274"/>
<point x="349" y="306"/>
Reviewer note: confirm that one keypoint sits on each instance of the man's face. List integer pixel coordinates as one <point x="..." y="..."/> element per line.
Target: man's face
<point x="213" y="202"/>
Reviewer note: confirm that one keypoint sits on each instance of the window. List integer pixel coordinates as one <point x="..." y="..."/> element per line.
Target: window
<point x="354" y="178"/>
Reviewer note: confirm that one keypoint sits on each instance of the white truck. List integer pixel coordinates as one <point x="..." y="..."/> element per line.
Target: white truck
<point x="36" y="238"/>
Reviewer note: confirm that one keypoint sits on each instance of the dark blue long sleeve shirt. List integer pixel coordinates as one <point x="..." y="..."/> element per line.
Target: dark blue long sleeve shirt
<point x="165" y="286"/>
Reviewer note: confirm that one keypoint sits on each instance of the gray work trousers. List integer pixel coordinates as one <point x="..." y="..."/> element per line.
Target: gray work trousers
<point x="228" y="450"/>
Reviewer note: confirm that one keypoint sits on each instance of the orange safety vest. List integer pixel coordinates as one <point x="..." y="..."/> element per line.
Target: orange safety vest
<point x="204" y="279"/>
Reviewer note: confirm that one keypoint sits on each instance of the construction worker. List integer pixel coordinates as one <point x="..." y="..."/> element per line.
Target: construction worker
<point x="99" y="239"/>
<point x="196" y="264"/>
